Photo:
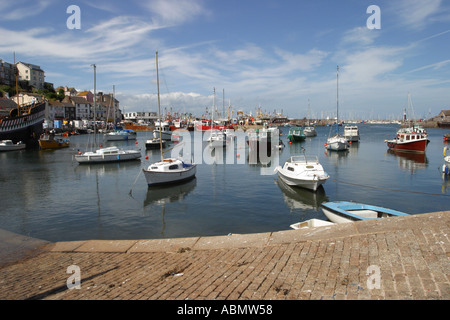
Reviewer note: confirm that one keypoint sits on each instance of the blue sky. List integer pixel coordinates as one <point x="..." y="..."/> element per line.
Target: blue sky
<point x="276" y="55"/>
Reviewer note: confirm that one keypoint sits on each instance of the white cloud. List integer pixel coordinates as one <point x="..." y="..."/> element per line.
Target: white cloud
<point x="416" y="13"/>
<point x="176" y="12"/>
<point x="359" y="36"/>
<point x="13" y="10"/>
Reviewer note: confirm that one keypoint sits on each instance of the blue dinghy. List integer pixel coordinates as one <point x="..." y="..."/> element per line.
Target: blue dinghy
<point x="344" y="211"/>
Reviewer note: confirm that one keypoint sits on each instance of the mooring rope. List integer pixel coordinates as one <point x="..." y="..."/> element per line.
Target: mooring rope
<point x="390" y="189"/>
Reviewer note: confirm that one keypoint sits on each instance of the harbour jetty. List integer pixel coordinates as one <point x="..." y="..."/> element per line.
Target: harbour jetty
<point x="389" y="259"/>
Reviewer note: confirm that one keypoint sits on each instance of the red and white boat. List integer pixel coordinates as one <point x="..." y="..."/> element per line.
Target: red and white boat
<point x="206" y="125"/>
<point x="412" y="139"/>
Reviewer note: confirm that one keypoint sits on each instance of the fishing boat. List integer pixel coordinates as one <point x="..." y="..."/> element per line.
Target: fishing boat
<point x="351" y="133"/>
<point x="411" y="139"/>
<point x="311" y="223"/>
<point x="49" y="141"/>
<point x="163" y="131"/>
<point x="296" y="134"/>
<point x="303" y="171"/>
<point x="8" y="145"/>
<point x="120" y="135"/>
<point x="167" y="171"/>
<point x="337" y="142"/>
<point x="153" y="144"/>
<point x="344" y="212"/>
<point x="110" y="154"/>
<point x="207" y="125"/>
<point x="310" y="131"/>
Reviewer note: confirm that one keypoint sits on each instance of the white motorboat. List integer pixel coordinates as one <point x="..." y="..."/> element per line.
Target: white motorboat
<point x="8" y="145"/>
<point x="110" y="154"/>
<point x="344" y="212"/>
<point x="217" y="139"/>
<point x="303" y="171"/>
<point x="169" y="171"/>
<point x="337" y="143"/>
<point x="351" y="133"/>
<point x="120" y="135"/>
<point x="311" y="223"/>
<point x="310" y="131"/>
<point x="164" y="132"/>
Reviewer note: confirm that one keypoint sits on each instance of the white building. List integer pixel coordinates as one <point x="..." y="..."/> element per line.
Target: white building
<point x="31" y="73"/>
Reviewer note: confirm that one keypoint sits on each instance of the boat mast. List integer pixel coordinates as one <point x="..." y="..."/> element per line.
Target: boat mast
<point x="159" y="108"/>
<point x="16" y="71"/>
<point x="337" y="100"/>
<point x="95" y="103"/>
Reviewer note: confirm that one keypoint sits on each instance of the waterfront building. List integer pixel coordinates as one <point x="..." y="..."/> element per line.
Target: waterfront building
<point x="55" y="111"/>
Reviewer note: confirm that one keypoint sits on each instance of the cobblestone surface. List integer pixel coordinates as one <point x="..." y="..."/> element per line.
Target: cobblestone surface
<point x="408" y="259"/>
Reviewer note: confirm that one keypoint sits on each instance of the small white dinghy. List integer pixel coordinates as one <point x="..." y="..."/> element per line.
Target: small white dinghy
<point x="311" y="223"/>
<point x="303" y="171"/>
<point x="344" y="212"/>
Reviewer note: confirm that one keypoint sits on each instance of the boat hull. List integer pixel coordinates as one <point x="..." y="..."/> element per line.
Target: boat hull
<point x="10" y="146"/>
<point x="415" y="146"/>
<point x="154" y="144"/>
<point x="120" y="137"/>
<point x="346" y="212"/>
<point x="165" y="135"/>
<point x="338" y="143"/>
<point x="310" y="184"/>
<point x="155" y="178"/>
<point x="53" y="144"/>
<point x="26" y="128"/>
<point x="101" y="158"/>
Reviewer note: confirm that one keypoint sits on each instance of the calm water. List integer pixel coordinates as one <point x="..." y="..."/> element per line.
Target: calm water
<point x="47" y="195"/>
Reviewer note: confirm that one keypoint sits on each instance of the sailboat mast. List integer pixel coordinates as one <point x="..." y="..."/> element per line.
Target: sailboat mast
<point x="95" y="103"/>
<point x="337" y="100"/>
<point x="159" y="108"/>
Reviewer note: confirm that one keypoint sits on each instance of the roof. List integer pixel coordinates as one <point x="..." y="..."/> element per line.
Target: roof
<point x="7" y="104"/>
<point x="31" y="66"/>
<point x="55" y="103"/>
<point x="79" y="100"/>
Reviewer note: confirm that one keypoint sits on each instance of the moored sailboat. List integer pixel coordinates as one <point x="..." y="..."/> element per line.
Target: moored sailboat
<point x="167" y="171"/>
<point x="337" y="142"/>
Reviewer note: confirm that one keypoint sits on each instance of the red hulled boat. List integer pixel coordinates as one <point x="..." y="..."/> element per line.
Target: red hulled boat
<point x="413" y="139"/>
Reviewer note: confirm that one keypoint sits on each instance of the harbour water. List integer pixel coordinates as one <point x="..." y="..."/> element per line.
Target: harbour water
<point x="48" y="195"/>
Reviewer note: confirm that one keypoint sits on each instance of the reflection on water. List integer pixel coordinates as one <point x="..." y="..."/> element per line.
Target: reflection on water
<point x="168" y="194"/>
<point x="300" y="198"/>
<point x="410" y="161"/>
